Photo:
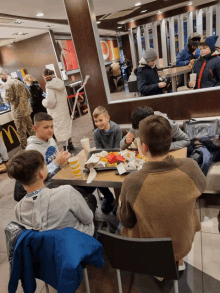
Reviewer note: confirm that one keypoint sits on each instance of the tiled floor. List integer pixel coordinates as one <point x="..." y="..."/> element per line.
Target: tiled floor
<point x="203" y="262"/>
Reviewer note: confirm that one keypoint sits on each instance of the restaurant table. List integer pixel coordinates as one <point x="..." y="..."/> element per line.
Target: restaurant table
<point x="173" y="73"/>
<point x="103" y="178"/>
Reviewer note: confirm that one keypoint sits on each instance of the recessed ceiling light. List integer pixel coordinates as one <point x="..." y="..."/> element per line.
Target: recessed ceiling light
<point x="40" y="14"/>
<point x="49" y="25"/>
<point x="20" y="34"/>
<point x="190" y="3"/>
<point x="159" y="12"/>
<point x="119" y="26"/>
<point x="98" y="22"/>
<point x="138" y="4"/>
<point x="143" y="11"/>
<point x="18" y="22"/>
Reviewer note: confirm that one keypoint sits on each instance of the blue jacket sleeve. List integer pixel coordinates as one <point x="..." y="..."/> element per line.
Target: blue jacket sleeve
<point x="182" y="59"/>
<point x="143" y="87"/>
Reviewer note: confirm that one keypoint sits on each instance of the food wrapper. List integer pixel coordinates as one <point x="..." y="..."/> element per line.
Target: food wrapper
<point x="92" y="175"/>
<point x="130" y="166"/>
<point x="93" y="160"/>
<point x="120" y="158"/>
<point x="111" y="157"/>
<point x="101" y="154"/>
<point x="128" y="155"/>
<point x="121" y="169"/>
<point x="101" y="164"/>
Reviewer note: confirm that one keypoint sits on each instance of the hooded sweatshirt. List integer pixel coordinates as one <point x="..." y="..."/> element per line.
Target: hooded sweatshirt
<point x="110" y="139"/>
<point x="48" y="149"/>
<point x="180" y="138"/>
<point x="57" y="107"/>
<point x="56" y="208"/>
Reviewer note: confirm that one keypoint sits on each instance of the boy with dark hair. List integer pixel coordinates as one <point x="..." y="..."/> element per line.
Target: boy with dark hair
<point x="180" y="139"/>
<point x="108" y="134"/>
<point x="158" y="201"/>
<point x="43" y="208"/>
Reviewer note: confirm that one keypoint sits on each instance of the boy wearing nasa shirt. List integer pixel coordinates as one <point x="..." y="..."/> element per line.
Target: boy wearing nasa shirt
<point x="46" y="145"/>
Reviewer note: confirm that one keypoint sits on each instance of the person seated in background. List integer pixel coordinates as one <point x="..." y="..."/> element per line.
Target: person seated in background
<point x="108" y="134"/>
<point x="159" y="201"/>
<point x="43" y="208"/>
<point x="36" y="95"/>
<point x="46" y="145"/>
<point x="116" y="71"/>
<point x="180" y="138"/>
<point x="207" y="67"/>
<point x="188" y="55"/>
<point x="147" y="77"/>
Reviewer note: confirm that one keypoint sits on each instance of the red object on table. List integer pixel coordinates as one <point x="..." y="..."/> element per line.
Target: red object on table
<point x="111" y="157"/>
<point x="120" y="158"/>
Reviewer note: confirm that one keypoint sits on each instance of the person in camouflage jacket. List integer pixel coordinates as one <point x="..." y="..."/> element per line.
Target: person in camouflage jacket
<point x="17" y="95"/>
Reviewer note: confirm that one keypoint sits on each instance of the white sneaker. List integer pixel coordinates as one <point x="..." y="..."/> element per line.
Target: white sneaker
<point x="182" y="267"/>
<point x="159" y="278"/>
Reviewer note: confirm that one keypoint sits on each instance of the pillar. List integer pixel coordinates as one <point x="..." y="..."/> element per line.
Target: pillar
<point x="164" y="42"/>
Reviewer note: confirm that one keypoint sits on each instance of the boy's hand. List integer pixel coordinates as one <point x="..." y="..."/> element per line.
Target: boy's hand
<point x="62" y="157"/>
<point x="162" y="84"/>
<point x="129" y="137"/>
<point x="191" y="84"/>
<point x="192" y="61"/>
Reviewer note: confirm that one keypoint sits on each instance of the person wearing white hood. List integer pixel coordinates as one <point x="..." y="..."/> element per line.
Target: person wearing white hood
<point x="57" y="107"/>
<point x="147" y="77"/>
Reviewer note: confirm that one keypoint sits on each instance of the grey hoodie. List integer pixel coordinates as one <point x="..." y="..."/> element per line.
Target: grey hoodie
<point x="56" y="208"/>
<point x="180" y="138"/>
<point x="48" y="149"/>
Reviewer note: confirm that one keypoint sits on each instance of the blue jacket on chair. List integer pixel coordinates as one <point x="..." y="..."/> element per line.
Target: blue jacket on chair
<point x="184" y="56"/>
<point x="55" y="257"/>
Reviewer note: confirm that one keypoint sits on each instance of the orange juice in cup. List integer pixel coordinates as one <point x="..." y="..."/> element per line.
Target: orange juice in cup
<point x="75" y="167"/>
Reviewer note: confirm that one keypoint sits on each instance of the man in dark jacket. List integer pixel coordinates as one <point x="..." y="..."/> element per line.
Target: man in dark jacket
<point x="147" y="77"/>
<point x="207" y="67"/>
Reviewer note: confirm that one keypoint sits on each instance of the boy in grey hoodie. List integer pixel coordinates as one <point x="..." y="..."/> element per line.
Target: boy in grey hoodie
<point x="43" y="208"/>
<point x="179" y="138"/>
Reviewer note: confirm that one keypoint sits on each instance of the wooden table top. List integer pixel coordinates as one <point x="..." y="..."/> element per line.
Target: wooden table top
<point x="174" y="71"/>
<point x="103" y="178"/>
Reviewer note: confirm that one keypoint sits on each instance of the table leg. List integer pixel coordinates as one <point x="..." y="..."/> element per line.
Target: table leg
<point x="117" y="193"/>
<point x="185" y="78"/>
<point x="173" y="84"/>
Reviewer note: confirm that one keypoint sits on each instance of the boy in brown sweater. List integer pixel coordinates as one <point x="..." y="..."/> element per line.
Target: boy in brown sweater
<point x="159" y="200"/>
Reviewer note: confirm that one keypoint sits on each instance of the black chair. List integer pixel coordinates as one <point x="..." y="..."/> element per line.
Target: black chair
<point x="150" y="256"/>
<point x="132" y="86"/>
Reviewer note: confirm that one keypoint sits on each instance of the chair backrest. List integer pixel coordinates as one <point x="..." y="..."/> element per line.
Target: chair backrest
<point x="132" y="86"/>
<point x="150" y="256"/>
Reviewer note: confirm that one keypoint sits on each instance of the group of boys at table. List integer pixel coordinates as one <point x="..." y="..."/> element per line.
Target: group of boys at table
<point x="157" y="201"/>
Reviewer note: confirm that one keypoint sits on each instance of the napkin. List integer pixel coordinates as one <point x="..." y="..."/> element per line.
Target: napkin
<point x="92" y="175"/>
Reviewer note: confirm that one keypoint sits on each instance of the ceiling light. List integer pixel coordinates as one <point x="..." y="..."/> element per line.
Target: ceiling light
<point x="40" y="14"/>
<point x="190" y="3"/>
<point x="143" y="11"/>
<point x="18" y="22"/>
<point x="98" y="22"/>
<point x="119" y="26"/>
<point x="138" y="4"/>
<point x="20" y="34"/>
<point x="49" y="25"/>
<point x="131" y="20"/>
<point x="159" y="12"/>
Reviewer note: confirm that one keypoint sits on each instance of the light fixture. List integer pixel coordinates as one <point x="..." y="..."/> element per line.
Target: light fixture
<point x="143" y="11"/>
<point x="18" y="22"/>
<point x="190" y="3"/>
<point x="119" y="26"/>
<point x="98" y="22"/>
<point x="20" y="34"/>
<point x="40" y="14"/>
<point x="49" y="25"/>
<point x="159" y="12"/>
<point x="138" y="4"/>
<point x="131" y="20"/>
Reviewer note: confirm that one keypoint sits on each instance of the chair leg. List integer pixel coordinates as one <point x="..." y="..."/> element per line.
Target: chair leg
<point x="86" y="280"/>
<point x="176" y="288"/>
<point x="119" y="281"/>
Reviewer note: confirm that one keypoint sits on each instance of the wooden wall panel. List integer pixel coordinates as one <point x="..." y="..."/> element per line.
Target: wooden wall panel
<point x="126" y="47"/>
<point x="32" y="55"/>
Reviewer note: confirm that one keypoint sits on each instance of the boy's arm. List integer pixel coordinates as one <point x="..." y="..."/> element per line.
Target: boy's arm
<point x="118" y="137"/>
<point x="181" y="59"/>
<point x="181" y="138"/>
<point x="9" y="93"/>
<point x="50" y="101"/>
<point x="79" y="207"/>
<point x="98" y="143"/>
<point x="123" y="144"/>
<point x="125" y="213"/>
